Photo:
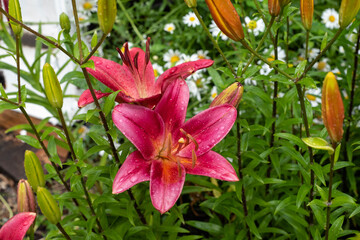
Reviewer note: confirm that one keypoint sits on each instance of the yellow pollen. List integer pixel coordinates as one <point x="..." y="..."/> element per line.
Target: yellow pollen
<point x="252" y="25"/>
<point x="198" y="82"/>
<point x="156" y="73"/>
<point x="321" y="65"/>
<point x="81" y="19"/>
<point x="181" y="140"/>
<point x="272" y="58"/>
<point x="201" y="56"/>
<point x="174" y="59"/>
<point x="192" y="19"/>
<point x="332" y="18"/>
<point x="310" y="97"/>
<point x="213" y="95"/>
<point x="300" y="58"/>
<point x="170" y="29"/>
<point x="87" y="6"/>
<point x="81" y="130"/>
<point x="290" y="65"/>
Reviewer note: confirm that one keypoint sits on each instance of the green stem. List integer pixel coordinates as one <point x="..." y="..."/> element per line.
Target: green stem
<point x="262" y="16"/>
<point x="243" y="42"/>
<point x="7" y="206"/>
<point x="213" y="41"/>
<point x="17" y="37"/>
<point x="307" y="45"/>
<point x="94" y="49"/>
<point x="330" y="193"/>
<point x="130" y="19"/>
<point x="259" y="45"/>
<point x="78" y="33"/>
<point x="287" y="40"/>
<point x="62" y="230"/>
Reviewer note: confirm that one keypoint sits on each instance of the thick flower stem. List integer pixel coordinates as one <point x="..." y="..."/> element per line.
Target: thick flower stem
<point x="243" y="195"/>
<point x="214" y="41"/>
<point x="17" y="37"/>
<point x="130" y="19"/>
<point x="78" y="33"/>
<point x="259" y="45"/>
<point x="262" y="16"/>
<point x="62" y="230"/>
<point x="307" y="45"/>
<point x="74" y="158"/>
<point x="55" y="44"/>
<point x="243" y="42"/>
<point x="330" y="192"/>
<point x="140" y="214"/>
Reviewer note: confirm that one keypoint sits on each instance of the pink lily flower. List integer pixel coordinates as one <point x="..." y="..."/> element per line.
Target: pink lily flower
<point x="168" y="148"/>
<point x="135" y="78"/>
<point x="17" y="226"/>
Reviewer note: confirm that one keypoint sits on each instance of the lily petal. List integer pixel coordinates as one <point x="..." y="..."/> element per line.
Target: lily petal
<point x="183" y="70"/>
<point x="113" y="75"/>
<point x="86" y="97"/>
<point x="208" y="128"/>
<point x="142" y="126"/>
<point x="172" y="106"/>
<point x="213" y="165"/>
<point x="165" y="184"/>
<point x="134" y="170"/>
<point x="17" y="226"/>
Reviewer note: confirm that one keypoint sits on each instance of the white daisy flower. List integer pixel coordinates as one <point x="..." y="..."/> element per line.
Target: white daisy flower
<point x="215" y="31"/>
<point x="158" y="70"/>
<point x="193" y="90"/>
<point x="255" y="26"/>
<point x="330" y="18"/>
<point x="281" y="54"/>
<point x="250" y="81"/>
<point x="352" y="37"/>
<point x="201" y="54"/>
<point x="265" y="69"/>
<point x="213" y="93"/>
<point x="312" y="53"/>
<point x="191" y="20"/>
<point x="322" y="65"/>
<point x="188" y="58"/>
<point x="172" y="58"/>
<point x="169" y="27"/>
<point x="314" y="96"/>
<point x="341" y="49"/>
<point x="88" y="5"/>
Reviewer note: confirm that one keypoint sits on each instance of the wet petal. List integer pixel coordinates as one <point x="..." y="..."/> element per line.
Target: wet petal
<point x="86" y="97"/>
<point x="183" y="70"/>
<point x="173" y="105"/>
<point x="134" y="170"/>
<point x="17" y="226"/>
<point x="142" y="126"/>
<point x="208" y="128"/>
<point x="165" y="184"/>
<point x="213" y="165"/>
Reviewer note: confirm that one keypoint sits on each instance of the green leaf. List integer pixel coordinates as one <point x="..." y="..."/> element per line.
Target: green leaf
<point x="253" y="228"/>
<point x="337" y="153"/>
<point x="318" y="170"/>
<point x="318" y="143"/>
<point x="303" y="191"/>
<point x="308" y="82"/>
<point x="53" y="151"/>
<point x="300" y="68"/>
<point x="29" y="140"/>
<point x="110" y="102"/>
<point x="292" y="138"/>
<point x="355" y="212"/>
<point x="94" y="40"/>
<point x="284" y="203"/>
<point x="88" y="64"/>
<point x="211" y="228"/>
<point x="324" y="41"/>
<point x="335" y="228"/>
<point x="216" y="78"/>
<point x="2" y="91"/>
<point x="46" y="42"/>
<point x="84" y="49"/>
<point x="341" y="200"/>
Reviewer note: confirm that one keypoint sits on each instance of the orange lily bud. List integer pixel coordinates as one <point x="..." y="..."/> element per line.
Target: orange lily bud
<point x="274" y="7"/>
<point x="307" y="12"/>
<point x="226" y="18"/>
<point x="283" y="3"/>
<point x="348" y="11"/>
<point x="25" y="197"/>
<point x="332" y="108"/>
<point x="231" y="95"/>
<point x="191" y="3"/>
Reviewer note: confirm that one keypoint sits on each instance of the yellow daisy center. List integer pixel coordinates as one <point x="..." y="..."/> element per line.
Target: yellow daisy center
<point x="201" y="56"/>
<point x="174" y="59"/>
<point x="213" y="95"/>
<point x="271" y="58"/>
<point x="310" y="97"/>
<point x="332" y="18"/>
<point x="192" y="19"/>
<point x="170" y="29"/>
<point x="81" y="19"/>
<point x="87" y="6"/>
<point x="199" y="83"/>
<point x="156" y="73"/>
<point x="252" y="24"/>
<point x="321" y="65"/>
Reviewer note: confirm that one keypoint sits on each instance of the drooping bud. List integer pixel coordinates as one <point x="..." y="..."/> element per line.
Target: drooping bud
<point x="226" y="18"/>
<point x="65" y="22"/>
<point x="48" y="205"/>
<point x="17" y="226"/>
<point x="25" y="197"/>
<point x="283" y="3"/>
<point x="15" y="12"/>
<point x="332" y="108"/>
<point x="33" y="170"/>
<point x="106" y="14"/>
<point x="274" y="7"/>
<point x="191" y="3"/>
<point x="348" y="11"/>
<point x="52" y="87"/>
<point x="307" y="12"/>
<point x="231" y="95"/>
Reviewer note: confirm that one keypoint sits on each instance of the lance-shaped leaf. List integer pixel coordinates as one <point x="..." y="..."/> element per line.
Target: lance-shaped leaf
<point x="318" y="143"/>
<point x="17" y="226"/>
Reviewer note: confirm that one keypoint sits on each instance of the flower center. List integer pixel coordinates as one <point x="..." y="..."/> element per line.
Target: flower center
<point x="311" y="97"/>
<point x="87" y="6"/>
<point x="332" y="18"/>
<point x="321" y="65"/>
<point x="170" y="29"/>
<point x="271" y="58"/>
<point x="199" y="83"/>
<point x="252" y="24"/>
<point x="213" y="95"/>
<point x="174" y="59"/>
<point x="156" y="73"/>
<point x="192" y="19"/>
<point x="201" y="56"/>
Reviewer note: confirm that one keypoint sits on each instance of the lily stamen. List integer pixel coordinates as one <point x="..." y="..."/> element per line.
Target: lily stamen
<point x="194" y="158"/>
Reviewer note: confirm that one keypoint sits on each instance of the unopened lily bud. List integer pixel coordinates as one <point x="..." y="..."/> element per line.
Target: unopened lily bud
<point x="226" y="18"/>
<point x="332" y="108"/>
<point x="274" y="7"/>
<point x="348" y="11"/>
<point x="15" y="12"/>
<point x="307" y="12"/>
<point x="25" y="197"/>
<point x="191" y="3"/>
<point x="48" y="205"/>
<point x="65" y="22"/>
<point x="33" y="170"/>
<point x="231" y="95"/>
<point x="52" y="87"/>
<point x="106" y="14"/>
<point x="283" y="3"/>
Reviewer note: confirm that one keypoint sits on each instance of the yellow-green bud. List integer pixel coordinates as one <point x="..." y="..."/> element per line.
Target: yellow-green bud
<point x="231" y="95"/>
<point x="52" y="87"/>
<point x="48" y="205"/>
<point x="25" y="197"/>
<point x="65" y="22"/>
<point x="348" y="11"/>
<point x="191" y="3"/>
<point x="106" y="14"/>
<point x="33" y="170"/>
<point x="15" y="12"/>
